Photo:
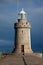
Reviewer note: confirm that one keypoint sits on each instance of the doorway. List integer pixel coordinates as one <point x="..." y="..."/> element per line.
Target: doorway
<point x="22" y="49"/>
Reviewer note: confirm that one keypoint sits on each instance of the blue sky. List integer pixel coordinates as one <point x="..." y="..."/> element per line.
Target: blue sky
<point x="8" y="16"/>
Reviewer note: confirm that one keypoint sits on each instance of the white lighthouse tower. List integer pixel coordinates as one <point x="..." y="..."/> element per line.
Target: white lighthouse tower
<point x="22" y="34"/>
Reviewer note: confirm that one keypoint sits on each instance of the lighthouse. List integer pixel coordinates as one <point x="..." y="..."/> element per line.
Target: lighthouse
<point x="22" y="34"/>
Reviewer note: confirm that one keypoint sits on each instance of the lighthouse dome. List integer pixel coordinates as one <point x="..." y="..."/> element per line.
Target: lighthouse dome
<point x="22" y="14"/>
<point x="22" y="11"/>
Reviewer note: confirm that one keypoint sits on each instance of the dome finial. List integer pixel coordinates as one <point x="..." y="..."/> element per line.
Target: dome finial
<point x="22" y="9"/>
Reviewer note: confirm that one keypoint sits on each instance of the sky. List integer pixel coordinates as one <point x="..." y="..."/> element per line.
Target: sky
<point x="9" y="14"/>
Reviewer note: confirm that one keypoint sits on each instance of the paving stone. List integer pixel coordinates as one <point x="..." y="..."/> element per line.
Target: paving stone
<point x="18" y="60"/>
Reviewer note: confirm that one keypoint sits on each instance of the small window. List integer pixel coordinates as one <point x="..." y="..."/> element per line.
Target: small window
<point x="22" y="23"/>
<point x="26" y="22"/>
<point x="22" y="31"/>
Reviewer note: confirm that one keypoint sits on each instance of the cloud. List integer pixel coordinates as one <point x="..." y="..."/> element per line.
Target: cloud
<point x="2" y="1"/>
<point x="36" y="13"/>
<point x="22" y="3"/>
<point x="6" y="42"/>
<point x="36" y="17"/>
<point x="8" y="1"/>
<point x="38" y="2"/>
<point x="37" y="10"/>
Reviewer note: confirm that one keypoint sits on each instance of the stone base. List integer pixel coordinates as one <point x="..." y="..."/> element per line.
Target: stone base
<point x="18" y="51"/>
<point x="28" y="53"/>
<point x="38" y="54"/>
<point x="34" y="54"/>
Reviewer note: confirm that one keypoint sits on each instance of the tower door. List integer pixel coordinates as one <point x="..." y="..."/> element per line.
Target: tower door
<point x="22" y="49"/>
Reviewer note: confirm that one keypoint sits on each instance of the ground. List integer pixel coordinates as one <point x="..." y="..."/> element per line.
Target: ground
<point x="15" y="59"/>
